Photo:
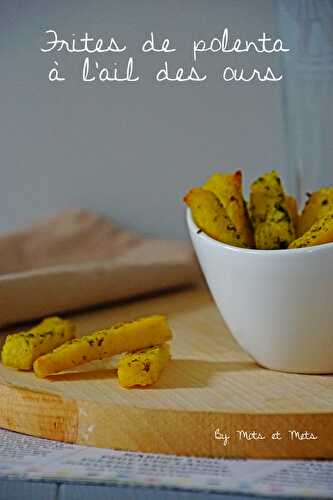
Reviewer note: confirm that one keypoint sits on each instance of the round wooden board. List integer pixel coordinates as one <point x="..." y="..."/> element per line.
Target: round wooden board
<point x="210" y="384"/>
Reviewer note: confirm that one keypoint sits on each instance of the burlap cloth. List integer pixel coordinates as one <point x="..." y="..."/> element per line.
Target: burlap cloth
<point x="79" y="259"/>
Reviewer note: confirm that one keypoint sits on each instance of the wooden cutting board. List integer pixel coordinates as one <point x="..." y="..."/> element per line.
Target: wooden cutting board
<point x="210" y="385"/>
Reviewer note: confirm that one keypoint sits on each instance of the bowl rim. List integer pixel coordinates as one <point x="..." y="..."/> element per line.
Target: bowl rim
<point x="199" y="233"/>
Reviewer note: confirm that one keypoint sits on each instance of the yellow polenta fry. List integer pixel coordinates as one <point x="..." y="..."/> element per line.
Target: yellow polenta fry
<point x="273" y="226"/>
<point x="228" y="189"/>
<point x="211" y="217"/>
<point x="143" y="367"/>
<point x="265" y="192"/>
<point x="319" y="233"/>
<point x="21" y="349"/>
<point x="291" y="204"/>
<point x="121" y="337"/>
<point x="319" y="203"/>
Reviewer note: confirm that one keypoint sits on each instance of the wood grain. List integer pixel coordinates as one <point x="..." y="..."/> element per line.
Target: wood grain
<point x="210" y="383"/>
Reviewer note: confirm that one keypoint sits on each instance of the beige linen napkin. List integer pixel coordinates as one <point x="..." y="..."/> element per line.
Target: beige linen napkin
<point x="79" y="259"/>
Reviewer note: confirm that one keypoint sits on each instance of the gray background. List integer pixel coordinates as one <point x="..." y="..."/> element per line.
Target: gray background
<point x="131" y="150"/>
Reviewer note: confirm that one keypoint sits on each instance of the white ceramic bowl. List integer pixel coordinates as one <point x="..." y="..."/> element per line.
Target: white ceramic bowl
<point x="278" y="304"/>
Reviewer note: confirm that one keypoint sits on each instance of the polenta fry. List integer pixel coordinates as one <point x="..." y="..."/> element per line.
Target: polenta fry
<point x="265" y="192"/>
<point x="291" y="204"/>
<point x="273" y="226"/>
<point x="21" y="349"/>
<point x="121" y="337"/>
<point x="143" y="367"/>
<point x="319" y="233"/>
<point x="228" y="189"/>
<point x="319" y="203"/>
<point x="211" y="217"/>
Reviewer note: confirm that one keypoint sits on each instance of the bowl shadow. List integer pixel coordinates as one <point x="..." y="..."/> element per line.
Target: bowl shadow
<point x="179" y="373"/>
<point x="193" y="373"/>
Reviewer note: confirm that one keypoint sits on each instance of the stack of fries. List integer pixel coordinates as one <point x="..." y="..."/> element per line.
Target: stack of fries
<point x="51" y="347"/>
<point x="270" y="221"/>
